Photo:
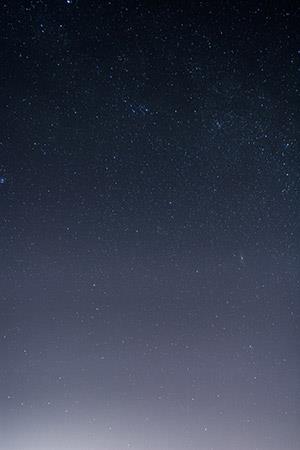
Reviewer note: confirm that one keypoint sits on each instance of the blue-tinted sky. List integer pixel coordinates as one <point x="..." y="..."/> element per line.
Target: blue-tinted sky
<point x="149" y="230"/>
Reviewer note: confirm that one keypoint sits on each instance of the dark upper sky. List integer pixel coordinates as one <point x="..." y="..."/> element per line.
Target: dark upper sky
<point x="149" y="231"/>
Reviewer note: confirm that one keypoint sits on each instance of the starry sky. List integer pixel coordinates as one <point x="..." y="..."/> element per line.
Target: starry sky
<point x="149" y="229"/>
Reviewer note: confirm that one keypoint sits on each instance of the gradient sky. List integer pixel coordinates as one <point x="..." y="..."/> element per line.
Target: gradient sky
<point x="149" y="229"/>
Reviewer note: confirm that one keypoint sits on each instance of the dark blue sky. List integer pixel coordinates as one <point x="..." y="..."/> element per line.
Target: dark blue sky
<point x="149" y="231"/>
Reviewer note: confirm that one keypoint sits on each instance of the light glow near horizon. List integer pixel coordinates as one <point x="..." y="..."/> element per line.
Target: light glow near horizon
<point x="126" y="432"/>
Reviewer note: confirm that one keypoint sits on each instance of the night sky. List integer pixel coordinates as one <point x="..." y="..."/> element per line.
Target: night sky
<point x="149" y="228"/>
